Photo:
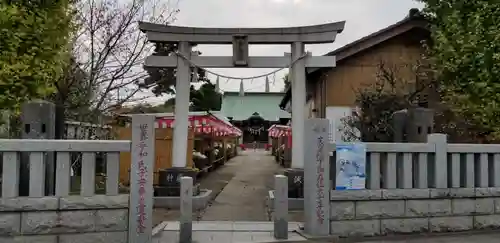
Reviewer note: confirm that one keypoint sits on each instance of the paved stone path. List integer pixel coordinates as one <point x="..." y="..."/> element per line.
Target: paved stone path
<point x="243" y="198"/>
<point x="457" y="238"/>
<point x="215" y="181"/>
<point x="228" y="232"/>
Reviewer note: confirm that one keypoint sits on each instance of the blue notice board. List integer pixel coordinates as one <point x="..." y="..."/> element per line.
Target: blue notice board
<point x="351" y="161"/>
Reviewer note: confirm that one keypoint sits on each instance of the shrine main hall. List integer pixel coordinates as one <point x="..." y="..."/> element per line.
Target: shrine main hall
<point x="253" y="113"/>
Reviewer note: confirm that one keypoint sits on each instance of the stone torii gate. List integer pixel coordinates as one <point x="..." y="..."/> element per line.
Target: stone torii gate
<point x="240" y="39"/>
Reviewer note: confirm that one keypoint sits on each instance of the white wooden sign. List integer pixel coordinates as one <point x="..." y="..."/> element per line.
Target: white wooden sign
<point x="141" y="179"/>
<point x="317" y="178"/>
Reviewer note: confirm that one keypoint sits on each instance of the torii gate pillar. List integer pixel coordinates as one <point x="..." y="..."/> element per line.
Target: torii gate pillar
<point x="297" y="75"/>
<point x="182" y="86"/>
<point x="240" y="38"/>
<point x="298" y="82"/>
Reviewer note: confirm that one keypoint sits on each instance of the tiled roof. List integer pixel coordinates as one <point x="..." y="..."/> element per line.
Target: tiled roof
<point x="242" y="107"/>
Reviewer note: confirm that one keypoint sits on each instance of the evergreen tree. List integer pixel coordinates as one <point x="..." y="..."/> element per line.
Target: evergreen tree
<point x="34" y="48"/>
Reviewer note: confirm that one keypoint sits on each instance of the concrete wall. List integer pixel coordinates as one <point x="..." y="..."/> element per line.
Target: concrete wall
<point x="402" y="211"/>
<point x="64" y="219"/>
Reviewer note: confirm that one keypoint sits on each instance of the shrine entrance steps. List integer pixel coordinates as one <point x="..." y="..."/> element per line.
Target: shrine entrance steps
<point x="228" y="232"/>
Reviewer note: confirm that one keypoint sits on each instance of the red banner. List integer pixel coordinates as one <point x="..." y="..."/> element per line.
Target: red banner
<point x="279" y="131"/>
<point x="203" y="124"/>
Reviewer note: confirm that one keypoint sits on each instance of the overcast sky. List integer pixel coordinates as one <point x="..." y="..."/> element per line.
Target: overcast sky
<point x="362" y="18"/>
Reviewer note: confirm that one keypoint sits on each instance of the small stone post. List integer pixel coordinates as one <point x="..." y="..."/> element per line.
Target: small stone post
<point x="440" y="169"/>
<point x="186" y="220"/>
<point x="280" y="207"/>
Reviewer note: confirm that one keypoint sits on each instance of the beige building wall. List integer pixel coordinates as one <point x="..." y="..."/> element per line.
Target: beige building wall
<point x="360" y="71"/>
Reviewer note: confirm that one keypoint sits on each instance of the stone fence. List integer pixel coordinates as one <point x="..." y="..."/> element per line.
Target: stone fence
<point x="420" y="187"/>
<point x="66" y="215"/>
<point x="72" y="219"/>
<point x="409" y="188"/>
<point x="36" y="150"/>
<point x="403" y="211"/>
<point x="435" y="164"/>
<point x="70" y="210"/>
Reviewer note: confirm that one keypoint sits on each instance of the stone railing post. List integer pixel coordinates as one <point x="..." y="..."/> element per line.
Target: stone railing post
<point x="440" y="168"/>
<point x="280" y="207"/>
<point x="38" y="122"/>
<point x="186" y="219"/>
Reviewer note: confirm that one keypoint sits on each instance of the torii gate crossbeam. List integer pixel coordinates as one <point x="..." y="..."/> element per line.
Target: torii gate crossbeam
<point x="185" y="37"/>
<point x="241" y="38"/>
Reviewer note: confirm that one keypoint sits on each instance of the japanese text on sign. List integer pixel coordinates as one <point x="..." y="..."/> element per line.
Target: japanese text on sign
<point x="320" y="170"/>
<point x="297" y="180"/>
<point x="142" y="172"/>
<point x="174" y="178"/>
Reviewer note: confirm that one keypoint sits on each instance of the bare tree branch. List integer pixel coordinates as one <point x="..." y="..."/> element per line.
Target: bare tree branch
<point x="378" y="101"/>
<point x="110" y="48"/>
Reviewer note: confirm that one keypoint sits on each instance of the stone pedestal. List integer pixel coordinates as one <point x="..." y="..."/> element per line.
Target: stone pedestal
<point x="169" y="181"/>
<point x="295" y="182"/>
